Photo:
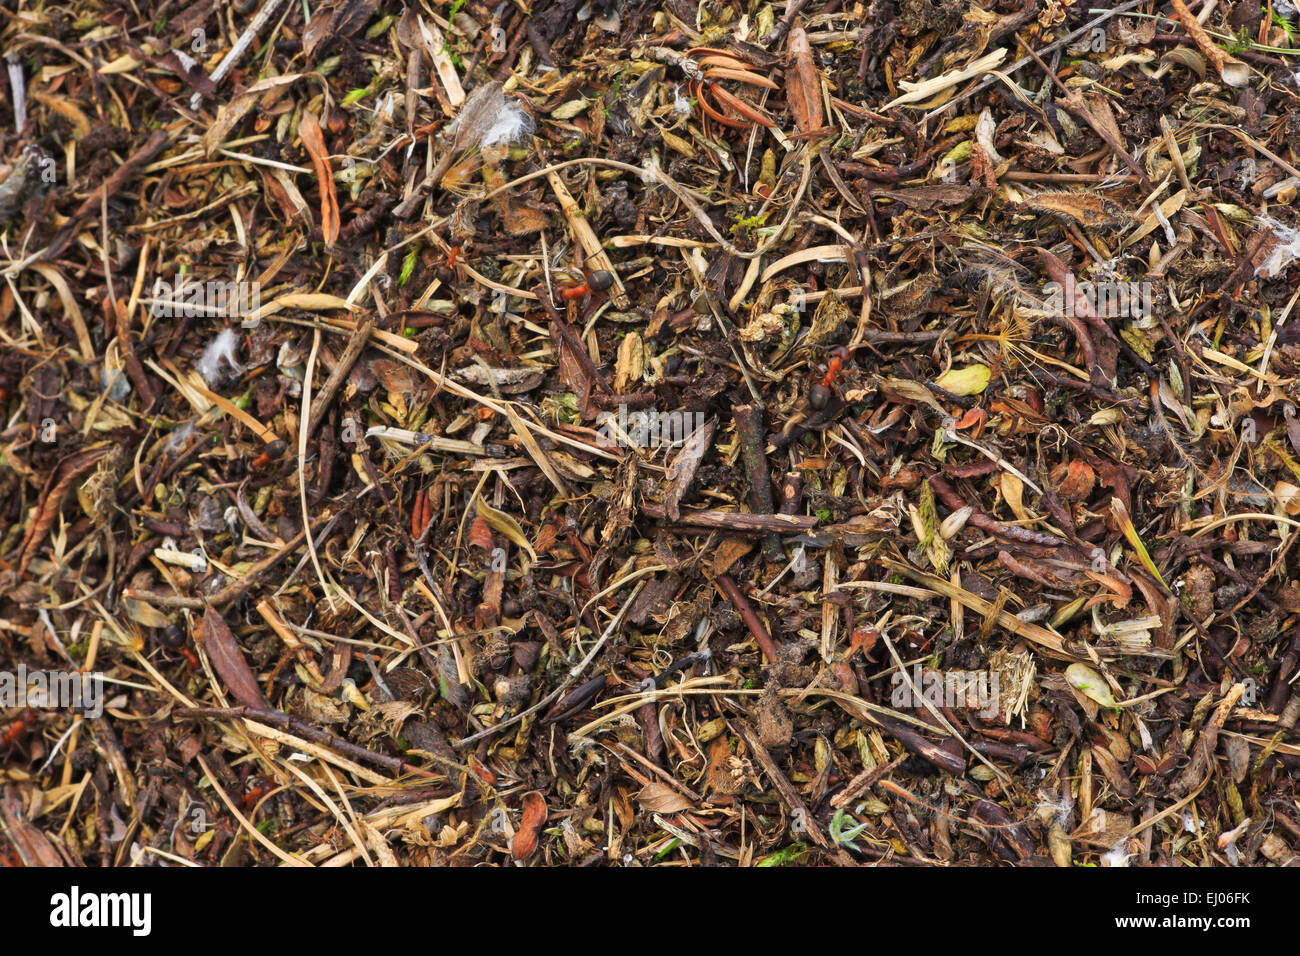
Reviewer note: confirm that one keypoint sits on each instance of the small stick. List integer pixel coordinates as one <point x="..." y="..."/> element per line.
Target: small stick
<point x="948" y="495"/>
<point x="753" y="438"/>
<point x="784" y="787"/>
<point x="109" y="187"/>
<point x="1050" y="48"/>
<point x="792" y="9"/>
<point x="863" y="781"/>
<point x="277" y="718"/>
<point x="587" y="238"/>
<point x="1205" y="746"/>
<point x="96" y="632"/>
<point x="233" y="590"/>
<point x="574" y="671"/>
<point x="791" y="492"/>
<point x="356" y="344"/>
<point x="1230" y="70"/>
<point x="1277" y="697"/>
<point x="737" y="597"/>
<point x="241" y="45"/>
<point x="132" y="362"/>
<point x="736" y="520"/>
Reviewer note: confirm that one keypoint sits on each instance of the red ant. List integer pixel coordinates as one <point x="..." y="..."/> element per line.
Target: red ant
<point x="455" y="253"/>
<point x="599" y="281"/>
<point x="174" y="639"/>
<point x="191" y="659"/>
<point x="272" y="451"/>
<point x="18" y="729"/>
<point x="260" y="788"/>
<point x="820" y="394"/>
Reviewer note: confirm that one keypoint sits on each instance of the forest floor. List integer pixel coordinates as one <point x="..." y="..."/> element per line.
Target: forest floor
<point x="737" y="433"/>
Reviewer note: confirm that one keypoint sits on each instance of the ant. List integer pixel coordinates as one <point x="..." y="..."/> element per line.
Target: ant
<point x="820" y="394"/>
<point x="18" y="729"/>
<point x="272" y="452"/>
<point x="451" y="267"/>
<point x="174" y="639"/>
<point x="257" y="789"/>
<point x="597" y="282"/>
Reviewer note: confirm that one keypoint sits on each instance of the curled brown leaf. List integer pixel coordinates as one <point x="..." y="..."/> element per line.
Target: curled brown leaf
<point x="803" y="86"/>
<point x="314" y="142"/>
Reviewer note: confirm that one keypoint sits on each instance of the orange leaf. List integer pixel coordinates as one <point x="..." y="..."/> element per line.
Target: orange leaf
<point x="314" y="142"/>
<point x="732" y="102"/>
<point x="530" y="826"/>
<point x="56" y="487"/>
<point x="480" y="535"/>
<point x="1121" y="592"/>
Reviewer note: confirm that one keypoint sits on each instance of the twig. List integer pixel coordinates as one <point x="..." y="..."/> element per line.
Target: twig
<point x="241" y="45"/>
<point x="792" y="9"/>
<point x="753" y="437"/>
<point x="1230" y="70"/>
<point x="570" y="678"/>
<point x="737" y="597"/>
<point x="736" y="520"/>
<point x="1075" y="104"/>
<point x="783" y="785"/>
<point x="233" y="590"/>
<point x="356" y="344"/>
<point x="277" y="718"/>
<point x="109" y="187"/>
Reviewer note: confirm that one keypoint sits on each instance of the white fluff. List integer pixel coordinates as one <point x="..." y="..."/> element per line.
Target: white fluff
<point x="178" y="439"/>
<point x="218" y="364"/>
<point x="512" y="125"/>
<point x="1056" y="808"/>
<point x="1284" y="253"/>
<point x="1116" y="857"/>
<point x="681" y="105"/>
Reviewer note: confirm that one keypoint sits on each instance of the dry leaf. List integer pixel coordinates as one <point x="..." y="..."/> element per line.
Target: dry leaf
<point x="480" y="535"/>
<point x="530" y="826"/>
<point x="681" y="470"/>
<point x="502" y="522"/>
<point x="1089" y="210"/>
<point x="313" y="141"/>
<point x="661" y="798"/>
<point x="228" y="661"/>
<point x="803" y="85"/>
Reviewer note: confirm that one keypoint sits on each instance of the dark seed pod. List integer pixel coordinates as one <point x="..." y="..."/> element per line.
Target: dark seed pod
<point x="600" y="280"/>
<point x="818" y="396"/>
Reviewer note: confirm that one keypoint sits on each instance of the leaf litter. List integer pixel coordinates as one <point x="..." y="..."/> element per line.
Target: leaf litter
<point x="651" y="434"/>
